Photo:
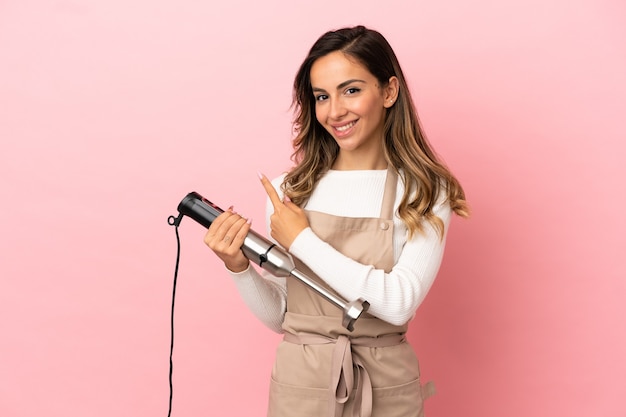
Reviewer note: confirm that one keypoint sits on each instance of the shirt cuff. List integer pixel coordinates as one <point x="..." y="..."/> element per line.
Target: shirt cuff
<point x="240" y="273"/>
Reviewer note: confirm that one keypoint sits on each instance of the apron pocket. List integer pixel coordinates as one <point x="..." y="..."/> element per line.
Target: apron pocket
<point x="399" y="401"/>
<point x="294" y="401"/>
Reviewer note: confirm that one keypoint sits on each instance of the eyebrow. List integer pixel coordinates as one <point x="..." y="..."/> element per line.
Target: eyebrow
<point x="340" y="86"/>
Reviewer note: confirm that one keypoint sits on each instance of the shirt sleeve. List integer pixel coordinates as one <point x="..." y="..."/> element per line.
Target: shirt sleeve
<point x="264" y="294"/>
<point x="395" y="296"/>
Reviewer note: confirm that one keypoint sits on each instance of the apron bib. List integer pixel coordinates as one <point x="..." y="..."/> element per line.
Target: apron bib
<point x="321" y="368"/>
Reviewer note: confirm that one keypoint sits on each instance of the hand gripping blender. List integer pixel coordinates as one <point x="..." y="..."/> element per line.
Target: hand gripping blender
<point x="269" y="256"/>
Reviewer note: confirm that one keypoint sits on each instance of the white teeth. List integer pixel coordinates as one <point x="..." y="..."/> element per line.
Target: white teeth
<point x="346" y="127"/>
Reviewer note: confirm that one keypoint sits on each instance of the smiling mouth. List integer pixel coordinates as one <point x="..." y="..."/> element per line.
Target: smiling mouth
<point x="345" y="127"/>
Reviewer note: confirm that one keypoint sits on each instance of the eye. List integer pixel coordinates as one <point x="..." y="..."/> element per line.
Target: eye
<point x="321" y="97"/>
<point x="352" y="90"/>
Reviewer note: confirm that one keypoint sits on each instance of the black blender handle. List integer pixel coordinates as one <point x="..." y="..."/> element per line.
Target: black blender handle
<point x="199" y="208"/>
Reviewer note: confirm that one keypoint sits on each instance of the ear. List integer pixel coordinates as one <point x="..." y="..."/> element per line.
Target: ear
<point x="390" y="92"/>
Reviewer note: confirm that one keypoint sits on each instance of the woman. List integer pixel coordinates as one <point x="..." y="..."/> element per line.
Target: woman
<point x="365" y="211"/>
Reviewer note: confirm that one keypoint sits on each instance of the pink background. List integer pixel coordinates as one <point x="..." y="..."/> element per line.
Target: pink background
<point x="112" y="110"/>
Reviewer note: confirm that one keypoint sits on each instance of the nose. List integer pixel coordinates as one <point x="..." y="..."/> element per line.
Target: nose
<point x="337" y="109"/>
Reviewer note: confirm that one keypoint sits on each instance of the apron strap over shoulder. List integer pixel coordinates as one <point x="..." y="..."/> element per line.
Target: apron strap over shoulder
<point x="389" y="198"/>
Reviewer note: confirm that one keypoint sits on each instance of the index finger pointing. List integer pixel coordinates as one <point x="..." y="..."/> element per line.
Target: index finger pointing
<point x="271" y="192"/>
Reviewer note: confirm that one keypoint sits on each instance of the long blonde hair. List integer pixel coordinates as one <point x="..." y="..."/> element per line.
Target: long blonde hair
<point x="406" y="148"/>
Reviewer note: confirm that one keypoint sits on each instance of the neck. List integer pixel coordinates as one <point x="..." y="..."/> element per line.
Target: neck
<point x="347" y="161"/>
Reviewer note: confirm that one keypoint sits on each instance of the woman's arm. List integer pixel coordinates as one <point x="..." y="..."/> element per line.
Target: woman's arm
<point x="394" y="296"/>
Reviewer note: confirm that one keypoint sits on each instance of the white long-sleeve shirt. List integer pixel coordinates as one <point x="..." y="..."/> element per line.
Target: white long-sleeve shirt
<point x="394" y="296"/>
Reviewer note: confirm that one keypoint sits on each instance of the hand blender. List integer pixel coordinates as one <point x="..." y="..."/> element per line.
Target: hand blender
<point x="269" y="256"/>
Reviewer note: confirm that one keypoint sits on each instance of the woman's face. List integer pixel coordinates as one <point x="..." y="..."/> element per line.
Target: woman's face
<point x="351" y="104"/>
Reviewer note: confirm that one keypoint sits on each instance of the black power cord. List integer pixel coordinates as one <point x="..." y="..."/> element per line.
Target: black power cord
<point x="173" y="221"/>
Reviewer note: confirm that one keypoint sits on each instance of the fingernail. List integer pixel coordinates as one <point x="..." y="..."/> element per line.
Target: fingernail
<point x="230" y="208"/>
<point x="260" y="175"/>
<point x="249" y="221"/>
